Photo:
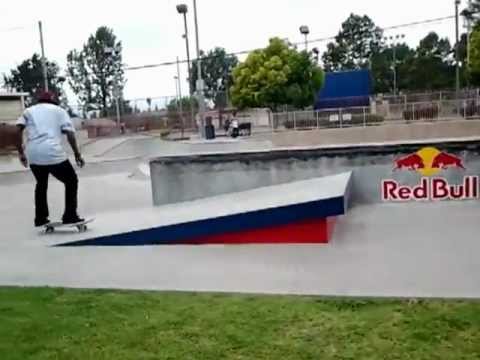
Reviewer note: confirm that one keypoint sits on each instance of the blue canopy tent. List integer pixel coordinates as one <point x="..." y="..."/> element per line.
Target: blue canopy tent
<point x="345" y="89"/>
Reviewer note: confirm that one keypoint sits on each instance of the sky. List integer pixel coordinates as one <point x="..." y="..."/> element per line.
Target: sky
<point x="151" y="30"/>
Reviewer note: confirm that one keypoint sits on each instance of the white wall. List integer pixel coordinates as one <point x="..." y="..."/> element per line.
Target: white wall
<point x="10" y="110"/>
<point x="258" y="117"/>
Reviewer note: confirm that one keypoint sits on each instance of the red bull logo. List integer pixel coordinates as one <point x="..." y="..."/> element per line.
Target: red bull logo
<point x="429" y="162"/>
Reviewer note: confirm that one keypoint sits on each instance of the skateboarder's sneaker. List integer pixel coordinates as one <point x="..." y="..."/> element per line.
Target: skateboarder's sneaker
<point x="41" y="222"/>
<point x="73" y="220"/>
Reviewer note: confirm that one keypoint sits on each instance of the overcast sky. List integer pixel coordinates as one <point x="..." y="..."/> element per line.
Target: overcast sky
<point x="151" y="30"/>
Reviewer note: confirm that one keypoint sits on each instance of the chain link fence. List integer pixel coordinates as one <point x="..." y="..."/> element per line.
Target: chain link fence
<point x="377" y="115"/>
<point x="429" y="96"/>
<point x="138" y="115"/>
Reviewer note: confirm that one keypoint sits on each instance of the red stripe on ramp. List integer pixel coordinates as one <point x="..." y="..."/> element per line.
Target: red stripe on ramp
<point x="317" y="231"/>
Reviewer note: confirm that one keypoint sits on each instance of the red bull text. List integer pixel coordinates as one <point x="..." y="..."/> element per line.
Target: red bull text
<point x="429" y="162"/>
<point x="431" y="190"/>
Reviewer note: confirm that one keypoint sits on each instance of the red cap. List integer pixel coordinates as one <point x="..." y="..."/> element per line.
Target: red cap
<point x="47" y="97"/>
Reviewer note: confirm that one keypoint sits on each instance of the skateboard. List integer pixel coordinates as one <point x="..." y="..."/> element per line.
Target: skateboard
<point x="81" y="226"/>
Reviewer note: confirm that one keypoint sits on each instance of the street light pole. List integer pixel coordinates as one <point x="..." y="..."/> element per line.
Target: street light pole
<point x="183" y="10"/>
<point x="469" y="31"/>
<point x="180" y="96"/>
<point x="201" y="103"/>
<point x="395" y="40"/>
<point x="457" y="53"/>
<point x="188" y="55"/>
<point x="44" y="61"/>
<point x="394" y="69"/>
<point x="304" y="30"/>
<point x="176" y="91"/>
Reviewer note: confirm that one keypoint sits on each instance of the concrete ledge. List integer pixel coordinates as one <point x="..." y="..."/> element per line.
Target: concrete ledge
<point x="189" y="177"/>
<point x="270" y="208"/>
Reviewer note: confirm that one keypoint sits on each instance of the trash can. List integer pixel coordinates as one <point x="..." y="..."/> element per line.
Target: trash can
<point x="209" y="132"/>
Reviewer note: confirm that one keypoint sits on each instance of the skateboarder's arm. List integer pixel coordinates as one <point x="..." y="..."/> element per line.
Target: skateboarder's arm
<point x="73" y="144"/>
<point x="19" y="139"/>
<point x="19" y="144"/>
<point x="69" y="130"/>
<point x="72" y="141"/>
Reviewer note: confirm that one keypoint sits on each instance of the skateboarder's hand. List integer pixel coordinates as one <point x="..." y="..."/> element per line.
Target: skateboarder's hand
<point x="23" y="160"/>
<point x="79" y="160"/>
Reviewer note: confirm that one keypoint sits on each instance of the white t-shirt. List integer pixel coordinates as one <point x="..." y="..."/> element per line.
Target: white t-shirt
<point x="45" y="124"/>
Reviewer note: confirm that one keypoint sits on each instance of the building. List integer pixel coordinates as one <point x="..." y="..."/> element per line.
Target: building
<point x="11" y="106"/>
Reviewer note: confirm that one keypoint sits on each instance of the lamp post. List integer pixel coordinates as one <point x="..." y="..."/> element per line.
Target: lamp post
<point x="395" y="40"/>
<point x="199" y="85"/>
<point x="180" y="105"/>
<point x="44" y="61"/>
<point x="304" y="30"/>
<point x="182" y="9"/>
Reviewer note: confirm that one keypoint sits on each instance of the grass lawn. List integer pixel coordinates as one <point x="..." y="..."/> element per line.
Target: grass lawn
<point x="71" y="324"/>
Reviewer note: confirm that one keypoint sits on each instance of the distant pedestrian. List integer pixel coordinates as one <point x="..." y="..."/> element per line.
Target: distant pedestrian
<point x="45" y="124"/>
<point x="235" y="130"/>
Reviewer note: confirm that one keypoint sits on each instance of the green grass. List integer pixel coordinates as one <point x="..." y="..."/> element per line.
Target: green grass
<point x="71" y="324"/>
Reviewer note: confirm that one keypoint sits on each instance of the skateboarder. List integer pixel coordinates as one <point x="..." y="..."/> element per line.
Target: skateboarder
<point x="45" y="124"/>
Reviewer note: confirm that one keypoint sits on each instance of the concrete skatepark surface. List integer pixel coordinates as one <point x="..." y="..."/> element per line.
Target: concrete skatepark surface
<point x="404" y="250"/>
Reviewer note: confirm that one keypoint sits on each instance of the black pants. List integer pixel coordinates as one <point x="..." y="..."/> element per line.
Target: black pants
<point x="64" y="173"/>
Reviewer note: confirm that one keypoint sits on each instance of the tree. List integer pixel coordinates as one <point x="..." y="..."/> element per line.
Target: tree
<point x="80" y="80"/>
<point x="355" y="43"/>
<point x="432" y="67"/>
<point x="173" y="111"/>
<point x="472" y="12"/>
<point x="96" y="70"/>
<point x="217" y="67"/>
<point x="173" y="106"/>
<point x="276" y="75"/>
<point x="382" y="67"/>
<point x="28" y="76"/>
<point x="474" y="61"/>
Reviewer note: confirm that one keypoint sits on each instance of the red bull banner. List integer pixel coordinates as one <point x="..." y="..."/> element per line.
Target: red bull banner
<point x="430" y="163"/>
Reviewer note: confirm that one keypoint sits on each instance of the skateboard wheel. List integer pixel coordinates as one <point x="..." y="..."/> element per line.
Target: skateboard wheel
<point x="49" y="230"/>
<point x="82" y="228"/>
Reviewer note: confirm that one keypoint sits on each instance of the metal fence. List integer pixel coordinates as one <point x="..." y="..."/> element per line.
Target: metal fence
<point x="376" y="115"/>
<point x="143" y="114"/>
<point x="429" y="96"/>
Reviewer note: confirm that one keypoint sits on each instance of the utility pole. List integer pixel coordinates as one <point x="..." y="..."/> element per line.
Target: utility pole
<point x="201" y="100"/>
<point x="44" y="61"/>
<point x="117" y="100"/>
<point x="180" y="105"/>
<point x="395" y="70"/>
<point x="457" y="54"/>
<point x="469" y="31"/>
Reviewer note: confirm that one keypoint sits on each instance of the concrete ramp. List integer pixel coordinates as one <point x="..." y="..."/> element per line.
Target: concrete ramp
<point x="297" y="212"/>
